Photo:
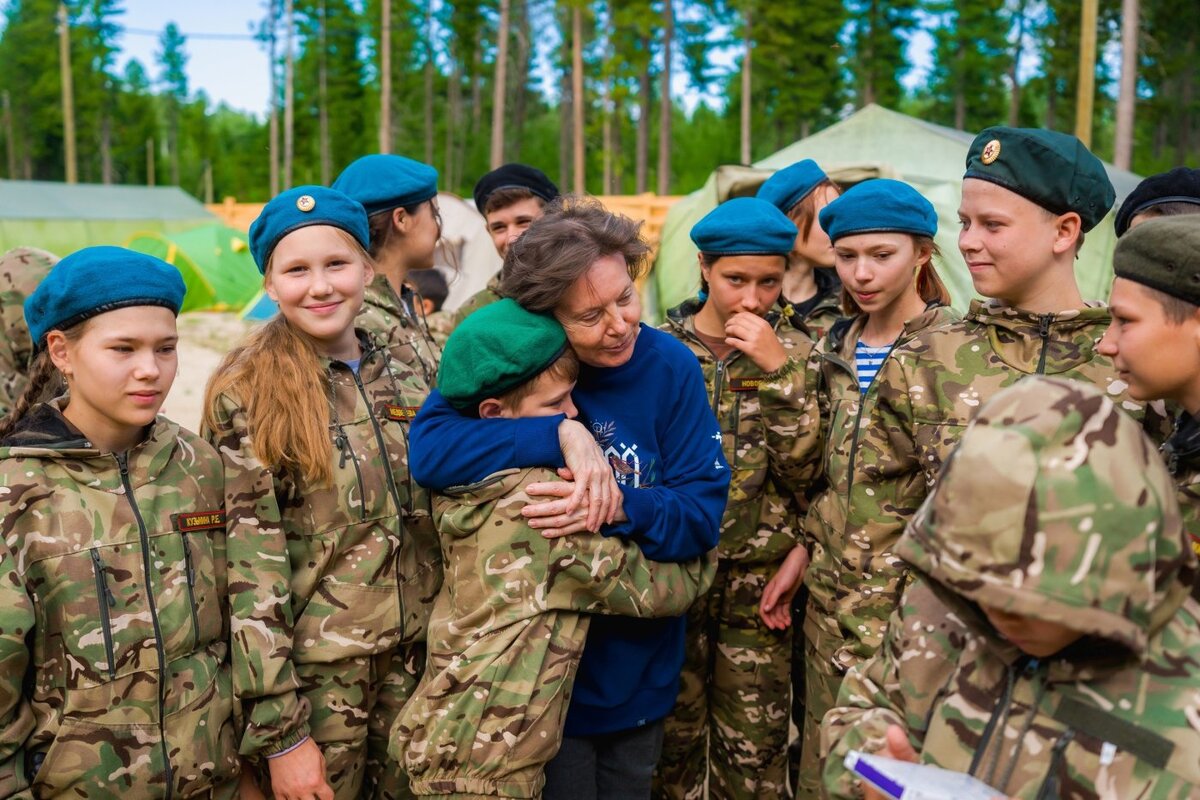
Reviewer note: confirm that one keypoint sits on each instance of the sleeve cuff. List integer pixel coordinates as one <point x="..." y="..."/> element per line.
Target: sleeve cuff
<point x="637" y="506"/>
<point x="542" y="447"/>
<point x="287" y="744"/>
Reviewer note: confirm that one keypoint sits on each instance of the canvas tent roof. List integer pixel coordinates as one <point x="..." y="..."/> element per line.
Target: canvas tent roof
<point x="63" y="218"/>
<point x="873" y="142"/>
<point x="215" y="262"/>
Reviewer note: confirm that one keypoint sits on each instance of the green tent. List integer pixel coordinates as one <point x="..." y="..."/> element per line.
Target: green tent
<point x="215" y="261"/>
<point x="873" y="142"/>
<point x="63" y="218"/>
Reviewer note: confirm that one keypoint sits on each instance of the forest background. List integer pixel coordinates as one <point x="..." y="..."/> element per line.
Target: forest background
<point x="576" y="88"/>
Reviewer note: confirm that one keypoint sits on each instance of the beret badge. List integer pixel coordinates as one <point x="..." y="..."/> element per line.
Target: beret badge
<point x="991" y="151"/>
<point x="306" y="203"/>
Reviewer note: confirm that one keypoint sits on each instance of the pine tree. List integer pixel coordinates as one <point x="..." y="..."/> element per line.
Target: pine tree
<point x="173" y="78"/>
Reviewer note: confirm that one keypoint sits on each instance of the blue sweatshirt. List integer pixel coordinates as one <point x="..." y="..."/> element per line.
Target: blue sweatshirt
<point x="651" y="416"/>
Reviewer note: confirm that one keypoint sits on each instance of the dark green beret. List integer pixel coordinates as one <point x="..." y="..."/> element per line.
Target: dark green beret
<point x="1164" y="254"/>
<point x="381" y="182"/>
<point x="1049" y="168"/>
<point x="745" y="226"/>
<point x="94" y="280"/>
<point x="299" y="208"/>
<point x="495" y="350"/>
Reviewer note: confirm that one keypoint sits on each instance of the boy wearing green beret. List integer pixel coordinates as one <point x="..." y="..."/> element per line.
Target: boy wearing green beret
<point x="509" y="626"/>
<point x="1028" y="197"/>
<point x="1154" y="340"/>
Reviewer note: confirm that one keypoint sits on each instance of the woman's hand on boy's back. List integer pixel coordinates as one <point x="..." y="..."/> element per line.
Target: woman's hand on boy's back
<point x="554" y="517"/>
<point x="755" y="337"/>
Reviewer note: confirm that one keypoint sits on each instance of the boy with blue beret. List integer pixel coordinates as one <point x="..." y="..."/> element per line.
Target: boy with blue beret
<point x="514" y="611"/>
<point x="811" y="288"/>
<point x="1028" y="197"/>
<point x="1154" y="340"/>
<point x="729" y="726"/>
<point x="400" y="198"/>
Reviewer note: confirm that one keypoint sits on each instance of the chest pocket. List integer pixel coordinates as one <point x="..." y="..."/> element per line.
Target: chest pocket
<point x="191" y="560"/>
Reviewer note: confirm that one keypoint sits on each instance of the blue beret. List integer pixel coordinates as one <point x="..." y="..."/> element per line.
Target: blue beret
<point x="298" y="208"/>
<point x="99" y="279"/>
<point x="880" y="205"/>
<point x="791" y="184"/>
<point x="381" y="182"/>
<point x="745" y="226"/>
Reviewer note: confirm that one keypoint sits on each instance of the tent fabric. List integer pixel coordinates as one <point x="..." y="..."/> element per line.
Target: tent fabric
<point x="873" y="142"/>
<point x="215" y="262"/>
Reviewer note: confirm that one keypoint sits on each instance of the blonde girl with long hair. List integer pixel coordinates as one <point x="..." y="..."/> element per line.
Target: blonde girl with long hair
<point x="333" y="556"/>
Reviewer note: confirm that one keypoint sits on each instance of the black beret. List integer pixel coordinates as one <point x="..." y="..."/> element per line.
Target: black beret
<point x="1163" y="254"/>
<point x="514" y="176"/>
<point x="1180" y="185"/>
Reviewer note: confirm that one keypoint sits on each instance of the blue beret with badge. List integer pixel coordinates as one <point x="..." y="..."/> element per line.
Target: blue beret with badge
<point x="745" y="226"/>
<point x="1049" y="168"/>
<point x="790" y="185"/>
<point x="95" y="280"/>
<point x="300" y="207"/>
<point x="382" y="182"/>
<point x="880" y="205"/>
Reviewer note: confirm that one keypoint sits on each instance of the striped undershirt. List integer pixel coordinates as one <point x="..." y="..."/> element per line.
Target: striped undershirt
<point x="868" y="360"/>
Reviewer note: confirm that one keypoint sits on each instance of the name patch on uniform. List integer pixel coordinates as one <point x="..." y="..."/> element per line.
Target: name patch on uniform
<point x="200" y="521"/>
<point x="401" y="413"/>
<point x="745" y="384"/>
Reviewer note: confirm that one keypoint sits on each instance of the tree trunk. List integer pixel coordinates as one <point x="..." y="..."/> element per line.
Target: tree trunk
<point x="455" y="115"/>
<point x="150" y="161"/>
<point x="665" y="108"/>
<point x="68" y="94"/>
<point x="1085" y="97"/>
<point x="323" y="101"/>
<point x="1123" y="146"/>
<point x="564" y="105"/>
<point x="385" y="77"/>
<point x="476" y="91"/>
<point x="606" y="185"/>
<point x="747" y="65"/>
<point x="428" y="81"/>
<point x="960" y="93"/>
<point x="577" y="98"/>
<point x="106" y="159"/>
<point x="524" y="36"/>
<point x="1187" y="85"/>
<point x="868" y="58"/>
<point x="642" y="143"/>
<point x="273" y="115"/>
<point x="1014" y="98"/>
<point x="10" y="145"/>
<point x="500" y="87"/>
<point x="289" y="97"/>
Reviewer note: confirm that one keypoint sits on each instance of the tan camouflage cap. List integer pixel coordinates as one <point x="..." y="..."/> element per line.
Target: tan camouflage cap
<point x="1056" y="506"/>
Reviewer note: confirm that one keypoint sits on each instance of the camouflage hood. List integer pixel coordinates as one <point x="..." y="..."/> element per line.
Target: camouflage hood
<point x="1057" y="507"/>
<point x="471" y="505"/>
<point x="1041" y="343"/>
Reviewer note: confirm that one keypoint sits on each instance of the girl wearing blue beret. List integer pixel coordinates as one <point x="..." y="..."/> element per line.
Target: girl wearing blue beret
<point x="333" y="556"/>
<point x="810" y="286"/>
<point x="882" y="233"/>
<point x="730" y="723"/>
<point x="115" y="675"/>
<point x="400" y="198"/>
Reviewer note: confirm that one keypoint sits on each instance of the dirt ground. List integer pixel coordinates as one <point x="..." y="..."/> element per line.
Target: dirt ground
<point x="204" y="338"/>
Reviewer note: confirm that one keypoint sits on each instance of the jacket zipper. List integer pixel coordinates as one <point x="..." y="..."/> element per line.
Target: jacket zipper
<point x="347" y="453"/>
<point x="1049" y="787"/>
<point x="1044" y="331"/>
<point x="144" y="537"/>
<point x="862" y="404"/>
<point x="391" y="483"/>
<point x="107" y="601"/>
<point x="190" y="572"/>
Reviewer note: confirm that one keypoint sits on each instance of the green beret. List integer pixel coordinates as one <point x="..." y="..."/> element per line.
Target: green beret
<point x="1049" y="168"/>
<point x="299" y="208"/>
<point x="495" y="350"/>
<point x="745" y="226"/>
<point x="382" y="182"/>
<point x="1164" y="254"/>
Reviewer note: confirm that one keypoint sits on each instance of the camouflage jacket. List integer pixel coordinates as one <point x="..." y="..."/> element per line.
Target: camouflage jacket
<point x="1084" y="532"/>
<point x="929" y="390"/>
<point x="507" y="633"/>
<point x="843" y="409"/>
<point x="820" y="312"/>
<point x="113" y="616"/>
<point x="319" y="574"/>
<point x="442" y="323"/>
<point x="1182" y="454"/>
<point x="21" y="270"/>
<point x="770" y="433"/>
<point x="392" y="318"/>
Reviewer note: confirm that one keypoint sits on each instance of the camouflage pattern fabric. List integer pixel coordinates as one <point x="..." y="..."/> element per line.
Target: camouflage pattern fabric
<point x="114" y="651"/>
<point x="818" y="320"/>
<point x="21" y="270"/>
<point x="1182" y="454"/>
<point x="443" y="323"/>
<point x="929" y="390"/>
<point x="829" y="579"/>
<point x="735" y="679"/>
<point x="1056" y="507"/>
<point x="390" y="318"/>
<point x="507" y="633"/>
<point x="323" y="578"/>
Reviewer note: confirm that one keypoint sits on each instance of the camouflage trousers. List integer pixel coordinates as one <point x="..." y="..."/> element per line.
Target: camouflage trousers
<point x="821" y="683"/>
<point x="354" y="704"/>
<point x="730" y="722"/>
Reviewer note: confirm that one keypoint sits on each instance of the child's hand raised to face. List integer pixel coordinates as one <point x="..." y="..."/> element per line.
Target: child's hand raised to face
<point x="755" y="337"/>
